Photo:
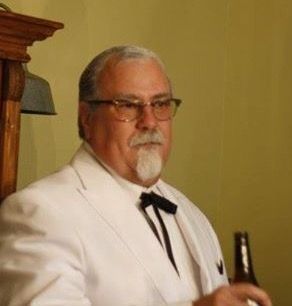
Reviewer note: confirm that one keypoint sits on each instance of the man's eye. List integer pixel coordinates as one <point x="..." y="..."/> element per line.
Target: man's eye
<point x="127" y="105"/>
<point x="161" y="104"/>
<point x="130" y="105"/>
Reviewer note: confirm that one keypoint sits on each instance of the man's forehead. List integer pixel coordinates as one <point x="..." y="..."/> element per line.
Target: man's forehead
<point x="125" y="77"/>
<point x="133" y="96"/>
<point x="115" y="62"/>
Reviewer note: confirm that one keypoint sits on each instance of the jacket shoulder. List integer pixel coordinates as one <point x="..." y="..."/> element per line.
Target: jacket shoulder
<point x="43" y="191"/>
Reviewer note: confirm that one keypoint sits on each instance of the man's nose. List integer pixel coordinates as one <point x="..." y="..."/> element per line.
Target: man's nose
<point x="147" y="120"/>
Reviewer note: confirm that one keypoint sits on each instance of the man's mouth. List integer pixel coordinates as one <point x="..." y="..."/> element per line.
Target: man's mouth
<point x="148" y="144"/>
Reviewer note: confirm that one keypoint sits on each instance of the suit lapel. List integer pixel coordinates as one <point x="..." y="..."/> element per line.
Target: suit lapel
<point x="114" y="205"/>
<point x="192" y="234"/>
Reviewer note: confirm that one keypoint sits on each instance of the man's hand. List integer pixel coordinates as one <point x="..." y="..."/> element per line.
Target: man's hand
<point x="235" y="295"/>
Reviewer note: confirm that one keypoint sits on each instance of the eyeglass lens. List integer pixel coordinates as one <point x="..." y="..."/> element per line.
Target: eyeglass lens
<point x="128" y="111"/>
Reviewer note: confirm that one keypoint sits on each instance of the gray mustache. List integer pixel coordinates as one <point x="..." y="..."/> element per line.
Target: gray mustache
<point x="147" y="137"/>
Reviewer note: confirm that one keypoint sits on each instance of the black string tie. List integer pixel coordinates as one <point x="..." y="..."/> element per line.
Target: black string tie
<point x="160" y="202"/>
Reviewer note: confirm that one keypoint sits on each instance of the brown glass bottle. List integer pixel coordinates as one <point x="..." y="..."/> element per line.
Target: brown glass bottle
<point x="243" y="262"/>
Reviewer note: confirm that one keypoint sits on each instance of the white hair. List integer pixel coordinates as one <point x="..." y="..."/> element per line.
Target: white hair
<point x="149" y="164"/>
<point x="89" y="80"/>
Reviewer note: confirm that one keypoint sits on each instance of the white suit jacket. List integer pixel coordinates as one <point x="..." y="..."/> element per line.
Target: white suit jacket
<point x="76" y="238"/>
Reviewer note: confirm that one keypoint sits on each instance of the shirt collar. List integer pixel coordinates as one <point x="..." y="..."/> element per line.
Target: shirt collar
<point x="133" y="189"/>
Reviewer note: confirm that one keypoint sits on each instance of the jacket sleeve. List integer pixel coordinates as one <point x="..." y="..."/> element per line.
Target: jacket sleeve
<point x="41" y="257"/>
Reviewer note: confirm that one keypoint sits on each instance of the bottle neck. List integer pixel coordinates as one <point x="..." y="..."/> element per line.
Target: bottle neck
<point x="243" y="263"/>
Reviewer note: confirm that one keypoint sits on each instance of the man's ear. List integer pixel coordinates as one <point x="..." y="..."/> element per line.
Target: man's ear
<point x="84" y="120"/>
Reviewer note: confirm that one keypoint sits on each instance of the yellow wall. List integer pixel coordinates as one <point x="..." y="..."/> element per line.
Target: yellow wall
<point x="231" y="63"/>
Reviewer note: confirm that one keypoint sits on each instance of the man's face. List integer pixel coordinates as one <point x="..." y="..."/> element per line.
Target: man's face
<point x="112" y="139"/>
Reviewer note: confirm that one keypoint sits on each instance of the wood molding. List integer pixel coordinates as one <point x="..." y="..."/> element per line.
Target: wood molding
<point x="17" y="32"/>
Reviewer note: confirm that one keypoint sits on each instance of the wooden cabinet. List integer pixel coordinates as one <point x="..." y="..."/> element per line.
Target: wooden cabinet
<point x="17" y="33"/>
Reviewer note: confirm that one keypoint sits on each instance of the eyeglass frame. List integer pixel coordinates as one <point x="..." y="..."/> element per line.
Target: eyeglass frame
<point x="117" y="102"/>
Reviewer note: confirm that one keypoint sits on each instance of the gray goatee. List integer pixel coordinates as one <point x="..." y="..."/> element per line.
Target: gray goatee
<point x="149" y="162"/>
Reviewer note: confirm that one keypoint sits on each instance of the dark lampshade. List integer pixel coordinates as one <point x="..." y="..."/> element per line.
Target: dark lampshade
<point x="37" y="96"/>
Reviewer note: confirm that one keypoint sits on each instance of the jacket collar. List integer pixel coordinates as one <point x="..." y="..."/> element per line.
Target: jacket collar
<point x="111" y="201"/>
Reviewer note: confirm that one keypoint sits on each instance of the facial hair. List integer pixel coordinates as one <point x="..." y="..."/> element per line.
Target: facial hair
<point x="149" y="162"/>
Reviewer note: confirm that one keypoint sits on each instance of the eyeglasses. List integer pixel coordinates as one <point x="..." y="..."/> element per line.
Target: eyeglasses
<point x="126" y="110"/>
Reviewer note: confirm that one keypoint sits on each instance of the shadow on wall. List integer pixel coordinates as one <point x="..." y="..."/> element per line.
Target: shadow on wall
<point x="37" y="151"/>
<point x="46" y="142"/>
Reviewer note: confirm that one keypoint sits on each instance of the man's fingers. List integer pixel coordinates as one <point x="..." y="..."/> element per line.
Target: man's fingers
<point x="235" y="295"/>
<point x="246" y="291"/>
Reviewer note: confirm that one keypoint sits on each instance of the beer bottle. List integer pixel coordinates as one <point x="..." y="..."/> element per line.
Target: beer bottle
<point x="243" y="262"/>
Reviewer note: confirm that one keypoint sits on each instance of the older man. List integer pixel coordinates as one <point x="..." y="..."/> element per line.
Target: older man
<point x="105" y="230"/>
